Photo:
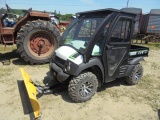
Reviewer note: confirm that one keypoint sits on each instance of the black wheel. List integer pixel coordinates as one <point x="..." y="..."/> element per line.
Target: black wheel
<point x="83" y="87"/>
<point x="37" y="41"/>
<point x="136" y="75"/>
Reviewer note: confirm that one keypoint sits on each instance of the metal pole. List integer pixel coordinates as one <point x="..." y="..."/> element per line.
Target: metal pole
<point x="127" y="3"/>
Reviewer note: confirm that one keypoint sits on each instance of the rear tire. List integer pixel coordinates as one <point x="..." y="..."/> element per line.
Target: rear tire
<point x="83" y="87"/>
<point x="136" y="75"/>
<point x="37" y="41"/>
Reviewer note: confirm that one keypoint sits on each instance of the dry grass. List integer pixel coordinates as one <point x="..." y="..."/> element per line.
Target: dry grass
<point x="7" y="49"/>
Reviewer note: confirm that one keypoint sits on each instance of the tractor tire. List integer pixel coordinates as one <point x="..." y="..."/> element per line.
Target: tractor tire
<point x="37" y="41"/>
<point x="83" y="87"/>
<point x="135" y="76"/>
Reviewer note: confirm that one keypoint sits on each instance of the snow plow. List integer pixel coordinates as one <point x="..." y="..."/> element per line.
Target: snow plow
<point x="28" y="93"/>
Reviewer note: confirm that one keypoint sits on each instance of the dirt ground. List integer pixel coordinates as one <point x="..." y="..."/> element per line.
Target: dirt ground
<point x="115" y="101"/>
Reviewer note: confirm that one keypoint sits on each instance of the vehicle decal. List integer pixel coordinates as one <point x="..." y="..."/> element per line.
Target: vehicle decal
<point x="72" y="56"/>
<point x="138" y="52"/>
<point x="76" y="55"/>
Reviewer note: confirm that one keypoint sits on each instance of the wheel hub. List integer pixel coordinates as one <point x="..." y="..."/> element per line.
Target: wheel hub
<point x="137" y="75"/>
<point x="40" y="43"/>
<point x="86" y="89"/>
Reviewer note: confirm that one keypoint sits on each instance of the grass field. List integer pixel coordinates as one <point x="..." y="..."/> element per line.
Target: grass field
<point x="115" y="101"/>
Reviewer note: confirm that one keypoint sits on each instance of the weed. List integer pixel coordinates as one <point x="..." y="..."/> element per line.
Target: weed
<point x="146" y="82"/>
<point x="155" y="66"/>
<point x="83" y="105"/>
<point x="7" y="49"/>
<point x="5" y="71"/>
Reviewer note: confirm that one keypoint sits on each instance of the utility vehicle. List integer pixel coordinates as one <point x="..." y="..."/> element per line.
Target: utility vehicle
<point x="95" y="49"/>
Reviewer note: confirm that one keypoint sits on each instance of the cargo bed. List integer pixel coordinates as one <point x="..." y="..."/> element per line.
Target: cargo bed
<point x="138" y="51"/>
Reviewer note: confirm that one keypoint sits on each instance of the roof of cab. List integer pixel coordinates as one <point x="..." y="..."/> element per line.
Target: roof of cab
<point x="132" y="10"/>
<point x="103" y="11"/>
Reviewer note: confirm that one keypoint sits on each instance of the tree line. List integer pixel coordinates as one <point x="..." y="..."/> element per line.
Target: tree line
<point x="62" y="17"/>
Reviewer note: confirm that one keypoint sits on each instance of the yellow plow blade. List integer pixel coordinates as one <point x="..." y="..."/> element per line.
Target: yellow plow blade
<point x="31" y="94"/>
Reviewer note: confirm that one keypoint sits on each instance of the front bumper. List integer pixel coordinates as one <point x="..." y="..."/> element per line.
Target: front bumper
<point x="57" y="72"/>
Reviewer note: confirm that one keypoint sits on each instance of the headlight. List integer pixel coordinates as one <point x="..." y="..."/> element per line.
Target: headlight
<point x="67" y="66"/>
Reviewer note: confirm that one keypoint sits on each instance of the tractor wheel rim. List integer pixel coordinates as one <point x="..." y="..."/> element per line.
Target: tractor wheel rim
<point x="86" y="89"/>
<point x="40" y="44"/>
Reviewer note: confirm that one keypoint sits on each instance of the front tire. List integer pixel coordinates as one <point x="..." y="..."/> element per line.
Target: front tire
<point x="37" y="41"/>
<point x="136" y="75"/>
<point x="83" y="87"/>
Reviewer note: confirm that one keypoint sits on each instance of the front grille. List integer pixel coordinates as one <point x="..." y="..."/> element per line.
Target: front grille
<point x="59" y="61"/>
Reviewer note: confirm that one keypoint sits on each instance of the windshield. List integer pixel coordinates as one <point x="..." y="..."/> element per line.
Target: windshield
<point x="80" y="32"/>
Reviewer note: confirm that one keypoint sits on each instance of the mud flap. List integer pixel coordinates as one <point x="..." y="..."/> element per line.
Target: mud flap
<point x="28" y="94"/>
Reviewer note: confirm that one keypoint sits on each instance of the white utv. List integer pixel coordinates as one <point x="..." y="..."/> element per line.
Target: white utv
<point x="96" y="49"/>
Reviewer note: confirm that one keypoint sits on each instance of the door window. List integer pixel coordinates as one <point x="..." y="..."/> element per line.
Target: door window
<point x="98" y="47"/>
<point x="121" y="31"/>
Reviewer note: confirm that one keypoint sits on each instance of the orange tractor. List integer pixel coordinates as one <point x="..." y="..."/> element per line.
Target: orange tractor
<point x="34" y="34"/>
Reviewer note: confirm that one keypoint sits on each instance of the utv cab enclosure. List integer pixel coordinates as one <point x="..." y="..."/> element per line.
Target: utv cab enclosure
<point x="96" y="49"/>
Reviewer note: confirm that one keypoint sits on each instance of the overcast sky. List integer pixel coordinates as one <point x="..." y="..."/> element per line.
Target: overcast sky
<point x="73" y="6"/>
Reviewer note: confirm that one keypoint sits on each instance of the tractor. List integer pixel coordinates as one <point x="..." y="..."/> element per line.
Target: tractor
<point x="34" y="34"/>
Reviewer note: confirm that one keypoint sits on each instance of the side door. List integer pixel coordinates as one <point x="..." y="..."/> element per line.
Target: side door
<point x="117" y="46"/>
